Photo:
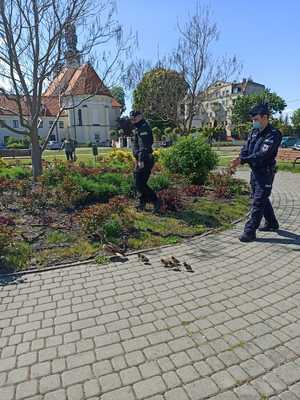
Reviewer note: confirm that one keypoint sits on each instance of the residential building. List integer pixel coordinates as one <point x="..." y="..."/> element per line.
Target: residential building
<point x="215" y="105"/>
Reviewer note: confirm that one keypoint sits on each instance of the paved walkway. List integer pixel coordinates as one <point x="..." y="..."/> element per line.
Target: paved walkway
<point x="127" y="331"/>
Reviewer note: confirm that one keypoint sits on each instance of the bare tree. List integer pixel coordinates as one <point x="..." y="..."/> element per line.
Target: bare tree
<point x="193" y="58"/>
<point x="32" y="48"/>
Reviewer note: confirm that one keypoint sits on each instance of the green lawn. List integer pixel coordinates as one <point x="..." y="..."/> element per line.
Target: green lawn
<point x="84" y="154"/>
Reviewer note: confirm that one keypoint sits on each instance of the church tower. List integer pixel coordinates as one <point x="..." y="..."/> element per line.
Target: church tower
<point x="72" y="55"/>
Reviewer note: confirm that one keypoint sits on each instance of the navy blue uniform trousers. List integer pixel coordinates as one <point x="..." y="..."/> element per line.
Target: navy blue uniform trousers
<point x="261" y="188"/>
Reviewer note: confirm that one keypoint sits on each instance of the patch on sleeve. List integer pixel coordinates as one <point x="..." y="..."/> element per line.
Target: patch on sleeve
<point x="265" y="148"/>
<point x="144" y="133"/>
<point x="269" y="141"/>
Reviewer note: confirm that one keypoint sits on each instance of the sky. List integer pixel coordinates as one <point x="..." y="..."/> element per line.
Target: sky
<point x="264" y="35"/>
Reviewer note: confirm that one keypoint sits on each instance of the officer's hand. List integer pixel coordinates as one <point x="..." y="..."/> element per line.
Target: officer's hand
<point x="235" y="163"/>
<point x="140" y="164"/>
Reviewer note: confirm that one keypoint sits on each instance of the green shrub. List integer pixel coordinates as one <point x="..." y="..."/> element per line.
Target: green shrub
<point x="96" y="190"/>
<point x="191" y="158"/>
<point x="157" y="133"/>
<point x="159" y="182"/>
<point x="18" y="172"/>
<point x="168" y="132"/>
<point x="112" y="229"/>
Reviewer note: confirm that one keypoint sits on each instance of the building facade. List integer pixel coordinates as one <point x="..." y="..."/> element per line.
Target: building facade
<point x="91" y="111"/>
<point x="216" y="103"/>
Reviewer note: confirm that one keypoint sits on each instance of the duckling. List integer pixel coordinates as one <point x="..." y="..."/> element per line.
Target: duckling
<point x="188" y="267"/>
<point x="143" y="258"/>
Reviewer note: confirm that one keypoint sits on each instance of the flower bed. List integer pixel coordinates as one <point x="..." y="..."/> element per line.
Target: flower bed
<point x="76" y="208"/>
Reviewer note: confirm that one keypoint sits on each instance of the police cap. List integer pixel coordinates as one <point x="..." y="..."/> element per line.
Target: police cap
<point x="260" y="109"/>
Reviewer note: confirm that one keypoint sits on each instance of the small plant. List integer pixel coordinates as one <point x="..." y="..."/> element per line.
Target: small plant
<point x="171" y="200"/>
<point x="6" y="238"/>
<point x="225" y="186"/>
<point x="194" y="190"/>
<point x="106" y="221"/>
<point x="69" y="194"/>
<point x="159" y="182"/>
<point x="101" y="260"/>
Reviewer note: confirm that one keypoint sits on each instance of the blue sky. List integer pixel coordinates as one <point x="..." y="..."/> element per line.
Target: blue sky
<point x="265" y="36"/>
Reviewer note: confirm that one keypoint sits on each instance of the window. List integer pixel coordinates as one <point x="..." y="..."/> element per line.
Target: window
<point x="41" y="124"/>
<point x="61" y="124"/>
<point x="51" y="123"/>
<point x="15" y="123"/>
<point x="182" y="109"/>
<point x="79" y="117"/>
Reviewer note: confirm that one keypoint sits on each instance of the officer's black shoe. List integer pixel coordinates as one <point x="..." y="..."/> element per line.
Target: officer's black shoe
<point x="247" y="237"/>
<point x="269" y="228"/>
<point x="157" y="206"/>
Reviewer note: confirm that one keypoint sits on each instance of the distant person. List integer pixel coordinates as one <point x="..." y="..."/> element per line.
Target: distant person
<point x="142" y="151"/>
<point x="68" y="146"/>
<point x="260" y="153"/>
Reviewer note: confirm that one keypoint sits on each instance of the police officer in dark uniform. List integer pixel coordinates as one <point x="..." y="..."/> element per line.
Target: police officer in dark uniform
<point x="260" y="153"/>
<point x="142" y="151"/>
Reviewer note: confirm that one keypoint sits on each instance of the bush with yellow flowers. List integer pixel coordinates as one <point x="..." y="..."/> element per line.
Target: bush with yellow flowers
<point x="118" y="155"/>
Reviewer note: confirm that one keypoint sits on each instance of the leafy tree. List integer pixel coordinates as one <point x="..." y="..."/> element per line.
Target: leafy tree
<point x="296" y="119"/>
<point x="119" y="94"/>
<point x="158" y="95"/>
<point x="36" y="38"/>
<point x="195" y="59"/>
<point x="243" y="105"/>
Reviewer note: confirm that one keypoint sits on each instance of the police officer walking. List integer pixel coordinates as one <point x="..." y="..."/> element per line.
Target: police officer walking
<point x="142" y="151"/>
<point x="260" y="153"/>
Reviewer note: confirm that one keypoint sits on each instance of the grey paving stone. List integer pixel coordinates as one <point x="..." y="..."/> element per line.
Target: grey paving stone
<point x="201" y="389"/>
<point x="149" y="387"/>
<point x="150" y="368"/>
<point x="125" y="393"/>
<point x="171" y="379"/>
<point x="110" y="382"/>
<point x="223" y="380"/>
<point x="7" y="392"/>
<point x="178" y="394"/>
<point x="18" y="375"/>
<point x="247" y="392"/>
<point x="49" y="383"/>
<point x="77" y="375"/>
<point x="130" y="376"/>
<point x="26" y="389"/>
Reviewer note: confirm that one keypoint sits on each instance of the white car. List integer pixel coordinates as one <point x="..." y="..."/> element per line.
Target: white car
<point x="297" y="145"/>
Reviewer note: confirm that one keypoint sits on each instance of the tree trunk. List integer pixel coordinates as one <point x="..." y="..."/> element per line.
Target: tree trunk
<point x="36" y="156"/>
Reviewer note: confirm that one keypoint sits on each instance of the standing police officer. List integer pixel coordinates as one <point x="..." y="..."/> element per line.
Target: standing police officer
<point x="260" y="153"/>
<point x="142" y="151"/>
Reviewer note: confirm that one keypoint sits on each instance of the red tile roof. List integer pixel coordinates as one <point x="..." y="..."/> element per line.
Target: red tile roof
<point x="50" y="106"/>
<point x="70" y="81"/>
<point x="77" y="81"/>
<point x="115" y="103"/>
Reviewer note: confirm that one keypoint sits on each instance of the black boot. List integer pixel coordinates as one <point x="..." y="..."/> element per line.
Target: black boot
<point x="247" y="237"/>
<point x="157" y="206"/>
<point x="269" y="227"/>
